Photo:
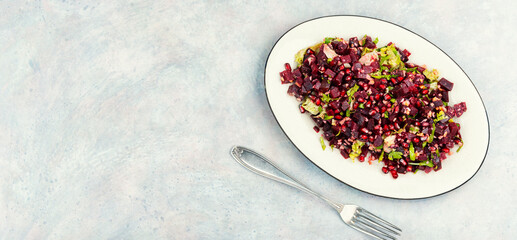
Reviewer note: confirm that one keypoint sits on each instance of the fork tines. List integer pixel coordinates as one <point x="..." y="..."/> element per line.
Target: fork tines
<point x="374" y="226"/>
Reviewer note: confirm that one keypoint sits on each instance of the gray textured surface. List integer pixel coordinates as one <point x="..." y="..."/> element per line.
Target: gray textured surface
<point x="116" y="119"/>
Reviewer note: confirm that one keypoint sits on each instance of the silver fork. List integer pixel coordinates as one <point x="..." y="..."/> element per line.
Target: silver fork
<point x="353" y="215"/>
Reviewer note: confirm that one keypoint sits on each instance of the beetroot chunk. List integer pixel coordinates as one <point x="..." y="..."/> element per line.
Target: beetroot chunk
<point x="446" y="84"/>
<point x="286" y="76"/>
<point x="460" y="108"/>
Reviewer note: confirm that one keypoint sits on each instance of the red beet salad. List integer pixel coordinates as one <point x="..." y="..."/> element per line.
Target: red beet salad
<point x="370" y="103"/>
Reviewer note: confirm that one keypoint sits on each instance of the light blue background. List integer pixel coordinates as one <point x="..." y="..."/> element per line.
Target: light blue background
<point x="116" y="120"/>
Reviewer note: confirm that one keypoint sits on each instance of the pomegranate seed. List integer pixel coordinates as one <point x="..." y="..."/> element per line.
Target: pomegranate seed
<point x="338" y="117"/>
<point x="396" y="109"/>
<point x="403" y="162"/>
<point x="383" y="109"/>
<point x="343" y="93"/>
<point x="317" y="129"/>
<point x="416" y="140"/>
<point x="364" y="130"/>
<point x="417" y="124"/>
<point x="457" y="141"/>
<point x="372" y="112"/>
<point x="397" y="126"/>
<point x="391" y="127"/>
<point x="366" y="87"/>
<point x="425" y="91"/>
<point x="341" y="67"/>
<point x="384" y="170"/>
<point x="348" y="78"/>
<point x="445" y="150"/>
<point x="418" y="104"/>
<point x="382" y="86"/>
<point x="364" y="137"/>
<point x="432" y="149"/>
<point x="372" y="98"/>
<point x="409" y="168"/>
<point x="356" y="105"/>
<point x="343" y="128"/>
<point x="321" y="69"/>
<point x="391" y="167"/>
<point x="388" y="105"/>
<point x="394" y="173"/>
<point x="405" y="145"/>
<point x="347" y="71"/>
<point x="313" y="98"/>
<point x="368" y="104"/>
<point x="288" y="67"/>
<point x="377" y="97"/>
<point x="377" y="127"/>
<point x="387" y="97"/>
<point x="370" y="139"/>
<point x="400" y="78"/>
<point x="361" y="158"/>
<point x="385" y="128"/>
<point x="360" y="99"/>
<point x="394" y="81"/>
<point x="302" y="110"/>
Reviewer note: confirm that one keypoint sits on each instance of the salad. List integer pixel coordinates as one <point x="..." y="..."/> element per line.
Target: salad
<point x="371" y="104"/>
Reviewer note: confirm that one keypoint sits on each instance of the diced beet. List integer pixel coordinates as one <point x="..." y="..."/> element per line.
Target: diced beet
<point x="286" y="76"/>
<point x="344" y="154"/>
<point x="346" y="59"/>
<point x="450" y="111"/>
<point x="293" y="89"/>
<point x="460" y="108"/>
<point x="324" y="86"/>
<point x="307" y="85"/>
<point x="297" y="73"/>
<point x="367" y="69"/>
<point x="453" y="128"/>
<point x="356" y="66"/>
<point x="412" y="111"/>
<point x="334" y="92"/>
<point x="309" y="60"/>
<point x="339" y="77"/>
<point x="378" y="141"/>
<point x="317" y="85"/>
<point x="438" y="103"/>
<point x="334" y="104"/>
<point x="305" y="69"/>
<point x="374" y="65"/>
<point x="328" y="135"/>
<point x="353" y="42"/>
<point x="445" y="96"/>
<point x="321" y="58"/>
<point x="329" y="73"/>
<point x="360" y="94"/>
<point x="344" y="105"/>
<point x="446" y="84"/>
<point x="339" y="47"/>
<point x="362" y="75"/>
<point x="304" y="90"/>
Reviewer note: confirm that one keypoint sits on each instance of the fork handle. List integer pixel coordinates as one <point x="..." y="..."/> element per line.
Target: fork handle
<point x="274" y="172"/>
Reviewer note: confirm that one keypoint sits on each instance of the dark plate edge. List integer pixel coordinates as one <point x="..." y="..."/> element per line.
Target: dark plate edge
<point x="269" y="104"/>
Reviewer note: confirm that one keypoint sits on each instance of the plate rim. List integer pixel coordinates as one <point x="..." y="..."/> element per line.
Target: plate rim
<point x="377" y="19"/>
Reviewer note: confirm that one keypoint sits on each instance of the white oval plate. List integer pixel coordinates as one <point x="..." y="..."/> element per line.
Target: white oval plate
<point x="457" y="169"/>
